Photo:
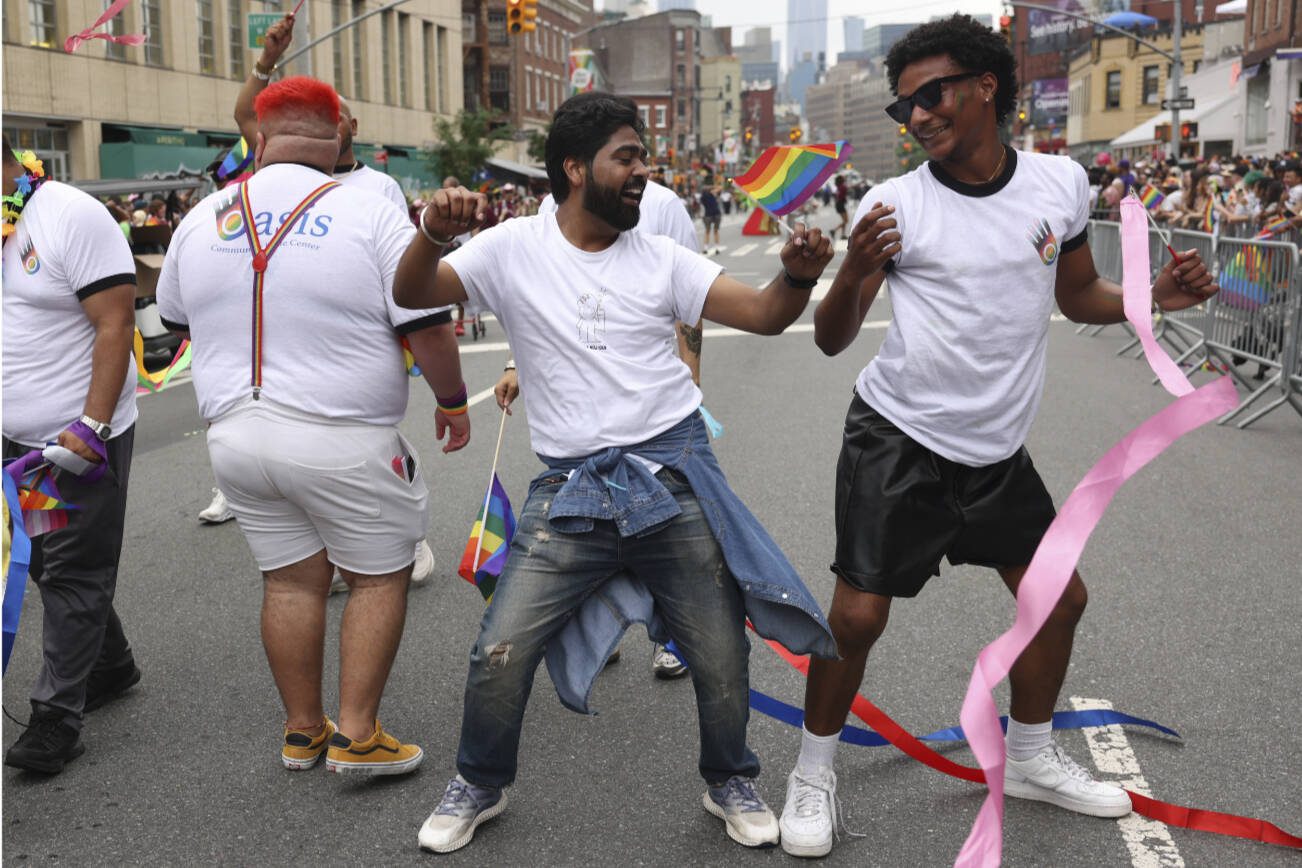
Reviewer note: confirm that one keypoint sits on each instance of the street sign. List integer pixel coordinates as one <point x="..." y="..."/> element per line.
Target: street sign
<point x="258" y="25"/>
<point x="1183" y="105"/>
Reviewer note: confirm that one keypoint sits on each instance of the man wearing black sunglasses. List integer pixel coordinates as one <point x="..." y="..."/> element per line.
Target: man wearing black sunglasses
<point x="979" y="243"/>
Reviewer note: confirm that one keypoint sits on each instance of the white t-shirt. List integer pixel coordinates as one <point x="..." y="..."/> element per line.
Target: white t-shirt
<point x="330" y="327"/>
<point x="962" y="367"/>
<point x="366" y="178"/>
<point x="662" y="213"/>
<point x="65" y="248"/>
<point x="592" y="333"/>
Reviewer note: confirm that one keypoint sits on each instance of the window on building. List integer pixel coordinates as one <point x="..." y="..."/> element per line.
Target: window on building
<point x="42" y="17"/>
<point x="336" y="44"/>
<point x="1113" y="99"/>
<point x="727" y="84"/>
<point x="644" y="114"/>
<point x="151" y="19"/>
<point x="430" y="50"/>
<point x="468" y="28"/>
<point x="497" y="27"/>
<point x="441" y="40"/>
<point x="1151" y="95"/>
<point x="681" y="76"/>
<point x="235" y="37"/>
<point x="404" y="35"/>
<point x="359" y="7"/>
<point x="661" y="121"/>
<point x="50" y="144"/>
<point x="386" y="56"/>
<point x="207" y="37"/>
<point x="682" y="109"/>
<point x="499" y="88"/>
<point x="115" y="26"/>
<point x="680" y="39"/>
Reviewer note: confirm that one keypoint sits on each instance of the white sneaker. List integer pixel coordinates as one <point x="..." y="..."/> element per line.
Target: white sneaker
<point x="463" y="807"/>
<point x="1052" y="776"/>
<point x="423" y="568"/>
<point x="749" y="821"/>
<point x="218" y="511"/>
<point x="665" y="664"/>
<point x="809" y="817"/>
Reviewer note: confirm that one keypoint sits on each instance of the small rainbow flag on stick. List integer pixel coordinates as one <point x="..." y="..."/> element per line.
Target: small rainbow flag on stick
<point x="784" y="176"/>
<point x="490" y="539"/>
<point x="1274" y="227"/>
<point x="1150" y="197"/>
<point x="43" y="508"/>
<point x="1208" y="221"/>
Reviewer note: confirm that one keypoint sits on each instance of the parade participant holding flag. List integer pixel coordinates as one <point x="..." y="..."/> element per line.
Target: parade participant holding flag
<point x="69" y="316"/>
<point x="284" y="283"/>
<point x="933" y="463"/>
<point x="633" y="515"/>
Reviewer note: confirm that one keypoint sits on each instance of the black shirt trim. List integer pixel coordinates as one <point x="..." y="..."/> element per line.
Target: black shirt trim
<point x="977" y="190"/>
<point x="105" y="283"/>
<point x="1072" y="243"/>
<point x="174" y="326"/>
<point x="438" y="318"/>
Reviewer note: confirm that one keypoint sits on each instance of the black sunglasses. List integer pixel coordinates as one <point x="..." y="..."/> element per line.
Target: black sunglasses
<point x="926" y="97"/>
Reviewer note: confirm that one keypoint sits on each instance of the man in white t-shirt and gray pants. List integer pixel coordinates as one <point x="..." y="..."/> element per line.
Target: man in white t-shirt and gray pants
<point x="979" y="243"/>
<point x="284" y="284"/>
<point x="662" y="213"/>
<point x="633" y="515"/>
<point x="69" y="315"/>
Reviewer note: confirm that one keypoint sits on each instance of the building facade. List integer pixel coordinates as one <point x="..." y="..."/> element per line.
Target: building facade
<point x="167" y="106"/>
<point x="1272" y="69"/>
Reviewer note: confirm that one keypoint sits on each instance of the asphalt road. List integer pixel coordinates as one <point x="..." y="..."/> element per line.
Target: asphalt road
<point x="1193" y="621"/>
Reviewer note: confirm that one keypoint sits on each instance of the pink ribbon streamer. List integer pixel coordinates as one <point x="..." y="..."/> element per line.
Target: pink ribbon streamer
<point x="1055" y="560"/>
<point x="72" y="43"/>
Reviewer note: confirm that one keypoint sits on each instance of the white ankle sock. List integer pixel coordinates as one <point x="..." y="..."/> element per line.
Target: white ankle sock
<point x="816" y="751"/>
<point x="1025" y="740"/>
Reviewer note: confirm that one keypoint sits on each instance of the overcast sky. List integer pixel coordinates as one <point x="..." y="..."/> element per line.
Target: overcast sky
<point x="742" y="14"/>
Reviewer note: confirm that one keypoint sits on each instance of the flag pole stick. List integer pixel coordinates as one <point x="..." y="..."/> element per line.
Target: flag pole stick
<point x="488" y="495"/>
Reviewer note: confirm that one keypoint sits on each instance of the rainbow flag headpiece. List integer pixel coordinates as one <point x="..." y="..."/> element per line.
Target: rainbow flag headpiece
<point x="236" y="162"/>
<point x="784" y="176"/>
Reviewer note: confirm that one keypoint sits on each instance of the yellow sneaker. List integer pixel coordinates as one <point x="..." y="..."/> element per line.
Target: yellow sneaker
<point x="381" y="754"/>
<point x="302" y="749"/>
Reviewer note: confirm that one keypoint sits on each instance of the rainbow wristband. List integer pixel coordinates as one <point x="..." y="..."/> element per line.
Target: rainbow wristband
<point x="454" y="405"/>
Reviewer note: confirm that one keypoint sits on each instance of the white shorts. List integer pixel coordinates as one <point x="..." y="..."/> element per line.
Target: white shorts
<point x="299" y="483"/>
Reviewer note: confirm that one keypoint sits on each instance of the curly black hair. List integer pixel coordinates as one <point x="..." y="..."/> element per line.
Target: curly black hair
<point x="581" y="126"/>
<point x="970" y="44"/>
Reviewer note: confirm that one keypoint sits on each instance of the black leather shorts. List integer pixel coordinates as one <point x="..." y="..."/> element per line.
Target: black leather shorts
<point x="900" y="507"/>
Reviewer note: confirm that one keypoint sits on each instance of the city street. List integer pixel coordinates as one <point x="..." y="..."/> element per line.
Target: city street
<point x="1193" y="622"/>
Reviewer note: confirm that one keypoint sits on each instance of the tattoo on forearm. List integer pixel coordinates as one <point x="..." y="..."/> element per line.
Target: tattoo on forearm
<point x="692" y="337"/>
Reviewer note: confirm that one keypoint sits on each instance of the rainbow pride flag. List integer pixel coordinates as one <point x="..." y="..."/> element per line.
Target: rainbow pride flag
<point x="784" y="176"/>
<point x="237" y="160"/>
<point x="1274" y="227"/>
<point x="43" y="508"/>
<point x="1207" y="223"/>
<point x="1150" y="197"/>
<point x="490" y="539"/>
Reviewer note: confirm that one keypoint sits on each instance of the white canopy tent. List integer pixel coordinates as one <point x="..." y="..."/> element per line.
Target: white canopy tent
<point x="1215" y="119"/>
<point x="1234" y="7"/>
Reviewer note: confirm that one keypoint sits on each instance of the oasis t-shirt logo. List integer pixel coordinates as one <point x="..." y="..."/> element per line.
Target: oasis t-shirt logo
<point x="230" y="221"/>
<point x="1044" y="241"/>
<point x="31" y="262"/>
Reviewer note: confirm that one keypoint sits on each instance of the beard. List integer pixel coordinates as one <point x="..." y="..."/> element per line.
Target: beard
<point x="606" y="203"/>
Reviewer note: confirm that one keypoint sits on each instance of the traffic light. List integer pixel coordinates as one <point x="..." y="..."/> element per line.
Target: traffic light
<point x="750" y="134"/>
<point x="1188" y="131"/>
<point x="520" y="16"/>
<point x="1006" y="28"/>
<point x="795" y="135"/>
<point x="1021" y="115"/>
<point x="904" y="131"/>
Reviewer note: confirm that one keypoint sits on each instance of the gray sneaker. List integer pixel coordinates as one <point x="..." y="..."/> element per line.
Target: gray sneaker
<point x="748" y="820"/>
<point x="463" y="808"/>
<point x="665" y="663"/>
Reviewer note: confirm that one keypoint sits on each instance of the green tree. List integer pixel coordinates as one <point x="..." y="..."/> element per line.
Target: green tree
<point x="464" y="143"/>
<point x="908" y="153"/>
<point x="538" y="144"/>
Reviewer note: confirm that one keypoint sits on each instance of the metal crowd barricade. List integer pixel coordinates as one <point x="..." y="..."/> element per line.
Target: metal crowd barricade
<point x="1291" y="373"/>
<point x="1105" y="246"/>
<point x="1253" y="317"/>
<point x="1185" y="330"/>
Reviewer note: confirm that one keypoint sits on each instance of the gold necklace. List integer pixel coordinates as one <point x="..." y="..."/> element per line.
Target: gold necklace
<point x="1003" y="156"/>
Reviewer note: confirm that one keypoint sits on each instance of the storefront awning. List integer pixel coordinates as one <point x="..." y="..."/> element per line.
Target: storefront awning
<point x="1215" y="119"/>
<point x="514" y="168"/>
<point x="132" y="160"/>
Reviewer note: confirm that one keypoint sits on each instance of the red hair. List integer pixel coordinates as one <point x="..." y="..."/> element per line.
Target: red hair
<point x="297" y="96"/>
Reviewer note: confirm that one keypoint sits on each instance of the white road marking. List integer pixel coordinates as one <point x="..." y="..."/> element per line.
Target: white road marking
<point x="775" y="248"/>
<point x="744" y="249"/>
<point x="1149" y="842"/>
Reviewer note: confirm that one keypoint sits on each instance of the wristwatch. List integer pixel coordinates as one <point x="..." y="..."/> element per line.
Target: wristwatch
<point x="794" y="283"/>
<point x="101" y="429"/>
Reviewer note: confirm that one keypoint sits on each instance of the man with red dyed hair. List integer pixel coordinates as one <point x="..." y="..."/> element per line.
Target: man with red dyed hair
<point x="302" y="382"/>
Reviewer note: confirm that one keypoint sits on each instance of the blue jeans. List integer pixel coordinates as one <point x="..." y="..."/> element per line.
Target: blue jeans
<point x="548" y="575"/>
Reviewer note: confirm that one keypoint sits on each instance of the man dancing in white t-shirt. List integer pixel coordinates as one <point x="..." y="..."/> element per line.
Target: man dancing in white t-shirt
<point x="300" y="377"/>
<point x="661" y="213"/>
<point x="633" y="514"/>
<point x="932" y="463"/>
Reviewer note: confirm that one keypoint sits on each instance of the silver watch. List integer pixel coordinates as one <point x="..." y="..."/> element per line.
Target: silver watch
<point x="101" y="429"/>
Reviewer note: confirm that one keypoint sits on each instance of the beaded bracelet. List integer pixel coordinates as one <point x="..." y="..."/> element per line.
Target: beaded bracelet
<point x="454" y="405"/>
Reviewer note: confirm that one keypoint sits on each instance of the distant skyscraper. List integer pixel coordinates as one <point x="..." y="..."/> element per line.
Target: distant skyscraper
<point x="666" y="5"/>
<point x="806" y="31"/>
<point x="853" y="33"/>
